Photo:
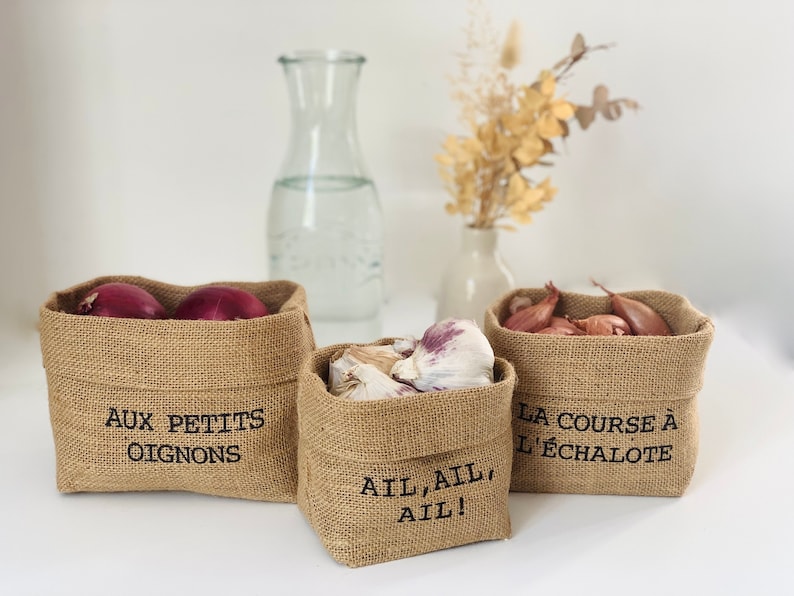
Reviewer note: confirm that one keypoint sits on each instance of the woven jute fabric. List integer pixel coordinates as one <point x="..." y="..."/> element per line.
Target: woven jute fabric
<point x="605" y="415"/>
<point x="200" y="406"/>
<point x="392" y="478"/>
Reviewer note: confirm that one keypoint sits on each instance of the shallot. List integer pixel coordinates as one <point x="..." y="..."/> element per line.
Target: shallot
<point x="560" y="331"/>
<point x="566" y="325"/>
<point x="220" y="303"/>
<point x="603" y="325"/>
<point x="642" y="319"/>
<point x="535" y="317"/>
<point x="122" y="300"/>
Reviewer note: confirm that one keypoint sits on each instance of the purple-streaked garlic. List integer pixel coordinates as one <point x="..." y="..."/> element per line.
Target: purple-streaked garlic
<point x="452" y="354"/>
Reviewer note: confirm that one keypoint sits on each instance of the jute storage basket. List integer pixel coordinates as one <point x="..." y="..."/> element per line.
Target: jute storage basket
<point x="200" y="406"/>
<point x="392" y="478"/>
<point x="604" y="415"/>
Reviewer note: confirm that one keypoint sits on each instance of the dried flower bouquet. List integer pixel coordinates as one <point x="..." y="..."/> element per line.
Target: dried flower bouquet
<point x="513" y="128"/>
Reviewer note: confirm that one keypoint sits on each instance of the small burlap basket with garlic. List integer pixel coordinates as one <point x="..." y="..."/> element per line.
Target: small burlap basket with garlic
<point x="391" y="478"/>
<point x="184" y="405"/>
<point x="604" y="414"/>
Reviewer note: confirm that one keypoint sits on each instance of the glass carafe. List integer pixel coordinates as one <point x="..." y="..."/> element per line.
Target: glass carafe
<point x="324" y="223"/>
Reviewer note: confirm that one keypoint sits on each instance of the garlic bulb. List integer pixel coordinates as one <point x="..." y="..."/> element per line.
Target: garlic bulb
<point x="366" y="381"/>
<point x="383" y="357"/>
<point x="452" y="354"/>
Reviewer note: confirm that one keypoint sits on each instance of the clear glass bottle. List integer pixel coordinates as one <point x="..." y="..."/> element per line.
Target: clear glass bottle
<point x="324" y="223"/>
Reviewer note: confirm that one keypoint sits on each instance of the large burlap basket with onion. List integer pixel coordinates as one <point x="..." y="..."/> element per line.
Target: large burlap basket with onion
<point x="392" y="478"/>
<point x="174" y="405"/>
<point x="605" y="415"/>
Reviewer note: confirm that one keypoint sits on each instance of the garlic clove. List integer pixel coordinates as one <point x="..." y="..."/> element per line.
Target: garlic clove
<point x="367" y="382"/>
<point x="383" y="357"/>
<point x="405" y="346"/>
<point x="452" y="354"/>
<point x="337" y="369"/>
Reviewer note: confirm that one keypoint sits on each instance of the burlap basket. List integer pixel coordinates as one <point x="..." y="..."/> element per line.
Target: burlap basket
<point x="200" y="406"/>
<point x="392" y="478"/>
<point x="605" y="415"/>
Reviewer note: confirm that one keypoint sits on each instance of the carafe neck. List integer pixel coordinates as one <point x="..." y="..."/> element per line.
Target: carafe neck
<point x="322" y="89"/>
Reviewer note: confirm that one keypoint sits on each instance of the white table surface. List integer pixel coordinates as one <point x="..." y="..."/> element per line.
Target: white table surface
<point x="731" y="533"/>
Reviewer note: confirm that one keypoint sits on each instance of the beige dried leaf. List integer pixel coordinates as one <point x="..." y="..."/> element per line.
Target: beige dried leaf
<point x="561" y="109"/>
<point x="487" y="133"/>
<point x="548" y="126"/>
<point x="532" y="99"/>
<point x="548" y="84"/>
<point x="532" y="197"/>
<point x="444" y="159"/>
<point x="530" y="151"/>
<point x="472" y="146"/>
<point x="515" y="188"/>
<point x="511" y="50"/>
<point x="566" y="130"/>
<point x="612" y="110"/>
<point x="578" y="46"/>
<point x="548" y="190"/>
<point x="585" y="116"/>
<point x="600" y="97"/>
<point x="521" y="217"/>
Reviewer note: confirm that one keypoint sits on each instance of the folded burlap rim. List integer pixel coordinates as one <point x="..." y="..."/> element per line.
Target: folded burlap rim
<point x="615" y="368"/>
<point x="176" y="354"/>
<point x="409" y="426"/>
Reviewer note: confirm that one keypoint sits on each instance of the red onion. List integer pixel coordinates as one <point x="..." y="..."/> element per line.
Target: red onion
<point x="121" y="300"/>
<point x="220" y="303"/>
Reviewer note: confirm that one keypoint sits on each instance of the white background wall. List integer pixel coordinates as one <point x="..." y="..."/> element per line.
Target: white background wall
<point x="142" y="137"/>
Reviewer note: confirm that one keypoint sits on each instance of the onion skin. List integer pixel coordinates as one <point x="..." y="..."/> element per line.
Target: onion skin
<point x="642" y="319"/>
<point x="603" y="325"/>
<point x="536" y="317"/>
<point x="121" y="300"/>
<point x="220" y="303"/>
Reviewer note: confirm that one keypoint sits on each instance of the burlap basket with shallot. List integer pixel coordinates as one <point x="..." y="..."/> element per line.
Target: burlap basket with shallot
<point x="604" y="414"/>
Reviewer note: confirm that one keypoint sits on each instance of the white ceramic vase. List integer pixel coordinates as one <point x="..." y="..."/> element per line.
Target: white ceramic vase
<point x="475" y="277"/>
